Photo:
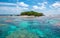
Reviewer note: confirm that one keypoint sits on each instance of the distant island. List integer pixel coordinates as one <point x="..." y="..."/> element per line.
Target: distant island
<point x="31" y="13"/>
<point x="25" y="14"/>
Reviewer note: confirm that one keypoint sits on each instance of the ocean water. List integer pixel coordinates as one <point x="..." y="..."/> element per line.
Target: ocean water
<point x="18" y="27"/>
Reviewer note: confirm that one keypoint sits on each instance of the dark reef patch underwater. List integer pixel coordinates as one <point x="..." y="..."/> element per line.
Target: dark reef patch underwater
<point x="17" y="27"/>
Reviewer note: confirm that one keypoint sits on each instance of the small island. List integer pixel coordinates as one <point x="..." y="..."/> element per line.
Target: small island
<point x="26" y="14"/>
<point x="31" y="13"/>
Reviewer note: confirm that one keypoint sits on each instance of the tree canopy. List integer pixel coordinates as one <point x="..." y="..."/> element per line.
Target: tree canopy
<point x="32" y="13"/>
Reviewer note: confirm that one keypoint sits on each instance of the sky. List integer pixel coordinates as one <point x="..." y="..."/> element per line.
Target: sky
<point x="48" y="7"/>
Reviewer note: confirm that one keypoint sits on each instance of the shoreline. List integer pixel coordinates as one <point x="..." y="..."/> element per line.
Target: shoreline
<point x="23" y="16"/>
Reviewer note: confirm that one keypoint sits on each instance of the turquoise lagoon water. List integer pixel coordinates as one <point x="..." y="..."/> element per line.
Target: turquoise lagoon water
<point x="17" y="27"/>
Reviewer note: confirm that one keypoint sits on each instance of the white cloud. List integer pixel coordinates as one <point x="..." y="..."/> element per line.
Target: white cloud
<point x="8" y="10"/>
<point x="2" y="3"/>
<point x="55" y="5"/>
<point x="40" y="6"/>
<point x="43" y="7"/>
<point x="43" y="3"/>
<point x="52" y="12"/>
<point x="36" y="7"/>
<point x="25" y="8"/>
<point x="12" y="10"/>
<point x="23" y="4"/>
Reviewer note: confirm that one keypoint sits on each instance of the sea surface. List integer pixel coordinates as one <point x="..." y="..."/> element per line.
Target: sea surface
<point x="22" y="27"/>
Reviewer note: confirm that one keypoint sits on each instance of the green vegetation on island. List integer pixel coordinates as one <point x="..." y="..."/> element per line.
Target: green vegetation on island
<point x="32" y="13"/>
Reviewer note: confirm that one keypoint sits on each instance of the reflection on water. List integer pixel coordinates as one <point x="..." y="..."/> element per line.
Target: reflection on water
<point x="14" y="27"/>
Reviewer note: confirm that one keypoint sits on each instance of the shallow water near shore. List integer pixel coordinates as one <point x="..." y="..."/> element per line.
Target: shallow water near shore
<point x="18" y="27"/>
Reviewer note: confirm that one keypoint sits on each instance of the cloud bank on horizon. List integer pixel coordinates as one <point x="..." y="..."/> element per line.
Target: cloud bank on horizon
<point x="16" y="6"/>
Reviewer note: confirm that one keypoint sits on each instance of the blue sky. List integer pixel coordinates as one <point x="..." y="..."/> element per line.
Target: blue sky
<point x="47" y="7"/>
